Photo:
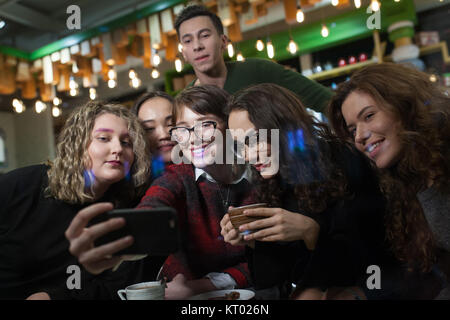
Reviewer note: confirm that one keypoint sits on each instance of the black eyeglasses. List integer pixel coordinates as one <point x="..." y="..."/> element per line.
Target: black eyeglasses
<point x="204" y="130"/>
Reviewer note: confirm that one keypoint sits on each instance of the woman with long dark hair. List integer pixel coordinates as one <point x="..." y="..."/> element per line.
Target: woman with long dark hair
<point x="322" y="227"/>
<point x="400" y="120"/>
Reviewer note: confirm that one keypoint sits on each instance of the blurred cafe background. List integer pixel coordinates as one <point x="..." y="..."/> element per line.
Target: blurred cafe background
<point x="55" y="55"/>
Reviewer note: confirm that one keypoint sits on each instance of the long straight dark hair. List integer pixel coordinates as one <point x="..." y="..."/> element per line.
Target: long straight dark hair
<point x="305" y="156"/>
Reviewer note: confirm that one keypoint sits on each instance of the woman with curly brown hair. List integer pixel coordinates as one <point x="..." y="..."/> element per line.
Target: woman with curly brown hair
<point x="101" y="156"/>
<point x="319" y="231"/>
<point x="400" y="120"/>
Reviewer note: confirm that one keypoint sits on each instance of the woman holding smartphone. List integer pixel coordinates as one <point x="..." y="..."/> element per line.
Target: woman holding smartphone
<point x="101" y="156"/>
<point x="323" y="226"/>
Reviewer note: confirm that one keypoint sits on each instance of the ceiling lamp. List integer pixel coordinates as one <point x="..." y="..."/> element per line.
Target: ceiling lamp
<point x="155" y="73"/>
<point x="358" y="4"/>
<point x="92" y="93"/>
<point x="56" y="101"/>
<point x="259" y="45"/>
<point x="132" y="74"/>
<point x="56" y="112"/>
<point x="270" y="49"/>
<point x="40" y="106"/>
<point x="18" y="105"/>
<point x="300" y="16"/>
<point x="375" y="5"/>
<point x="156" y="59"/>
<point x="178" y="65"/>
<point x="230" y="49"/>
<point x="324" y="32"/>
<point x="292" y="47"/>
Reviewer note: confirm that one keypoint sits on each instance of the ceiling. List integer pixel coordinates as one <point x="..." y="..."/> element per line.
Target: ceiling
<point x="32" y="24"/>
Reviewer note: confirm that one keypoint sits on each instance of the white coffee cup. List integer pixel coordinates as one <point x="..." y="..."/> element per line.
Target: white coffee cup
<point x="153" y="290"/>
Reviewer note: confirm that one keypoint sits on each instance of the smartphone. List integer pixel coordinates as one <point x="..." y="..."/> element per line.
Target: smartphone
<point x="155" y="231"/>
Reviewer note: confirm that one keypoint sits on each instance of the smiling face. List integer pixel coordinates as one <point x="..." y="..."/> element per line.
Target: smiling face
<point x="375" y="130"/>
<point x="201" y="152"/>
<point x="110" y="150"/>
<point x="258" y="153"/>
<point x="156" y="117"/>
<point x="202" y="45"/>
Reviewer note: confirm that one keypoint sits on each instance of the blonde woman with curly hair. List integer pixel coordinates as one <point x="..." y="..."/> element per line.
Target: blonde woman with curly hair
<point x="101" y="156"/>
<point x="400" y="120"/>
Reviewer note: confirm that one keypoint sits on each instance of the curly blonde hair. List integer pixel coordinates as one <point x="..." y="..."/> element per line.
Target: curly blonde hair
<point x="424" y="112"/>
<point x="66" y="174"/>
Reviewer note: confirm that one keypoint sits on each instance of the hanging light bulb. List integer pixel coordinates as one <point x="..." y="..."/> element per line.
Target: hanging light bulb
<point x="300" y="16"/>
<point x="270" y="49"/>
<point x="132" y="74"/>
<point x="112" y="74"/>
<point x="73" y="85"/>
<point x="112" y="83"/>
<point x="292" y="47"/>
<point x="56" y="101"/>
<point x="75" y="68"/>
<point x="135" y="82"/>
<point x="92" y="93"/>
<point x="230" y="49"/>
<point x="156" y="59"/>
<point x="18" y="105"/>
<point x="358" y="4"/>
<point x="375" y="5"/>
<point x="40" y="106"/>
<point x="155" y="73"/>
<point x="56" y="112"/>
<point x="180" y="47"/>
<point x="178" y="65"/>
<point x="259" y="45"/>
<point x="335" y="2"/>
<point x="324" y="32"/>
<point x="240" y="57"/>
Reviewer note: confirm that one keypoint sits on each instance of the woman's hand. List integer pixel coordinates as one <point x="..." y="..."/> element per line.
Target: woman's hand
<point x="281" y="225"/>
<point x="231" y="235"/>
<point x="180" y="288"/>
<point x="39" y="296"/>
<point x="95" y="259"/>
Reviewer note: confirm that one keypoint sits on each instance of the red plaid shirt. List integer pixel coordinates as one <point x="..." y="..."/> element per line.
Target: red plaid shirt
<point x="200" y="209"/>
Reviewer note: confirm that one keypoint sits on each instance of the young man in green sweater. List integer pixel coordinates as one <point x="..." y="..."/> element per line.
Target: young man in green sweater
<point x="201" y="34"/>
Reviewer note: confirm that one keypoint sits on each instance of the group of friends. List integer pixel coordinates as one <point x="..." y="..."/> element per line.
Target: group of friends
<point x="369" y="188"/>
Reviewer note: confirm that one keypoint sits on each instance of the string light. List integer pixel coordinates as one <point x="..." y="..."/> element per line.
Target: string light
<point x="292" y="47"/>
<point x="178" y="65"/>
<point x="270" y="49"/>
<point x="40" y="106"/>
<point x="180" y="47"/>
<point x="399" y="0"/>
<point x="132" y="74"/>
<point x="300" y="16"/>
<point x="324" y="32"/>
<point x="259" y="45"/>
<point x="358" y="4"/>
<point x="73" y="85"/>
<point x="18" y="105"/>
<point x="112" y="74"/>
<point x="375" y="6"/>
<point x="240" y="57"/>
<point x="92" y="93"/>
<point x="335" y="2"/>
<point x="57" y="101"/>
<point x="156" y="59"/>
<point x="56" y="112"/>
<point x="155" y="73"/>
<point x="112" y="83"/>
<point x="135" y="82"/>
<point x="230" y="49"/>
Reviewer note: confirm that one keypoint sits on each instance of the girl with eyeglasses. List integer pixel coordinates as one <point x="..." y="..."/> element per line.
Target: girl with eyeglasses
<point x="200" y="187"/>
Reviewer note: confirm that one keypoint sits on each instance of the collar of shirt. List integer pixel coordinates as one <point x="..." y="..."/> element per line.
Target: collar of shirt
<point x="246" y="175"/>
